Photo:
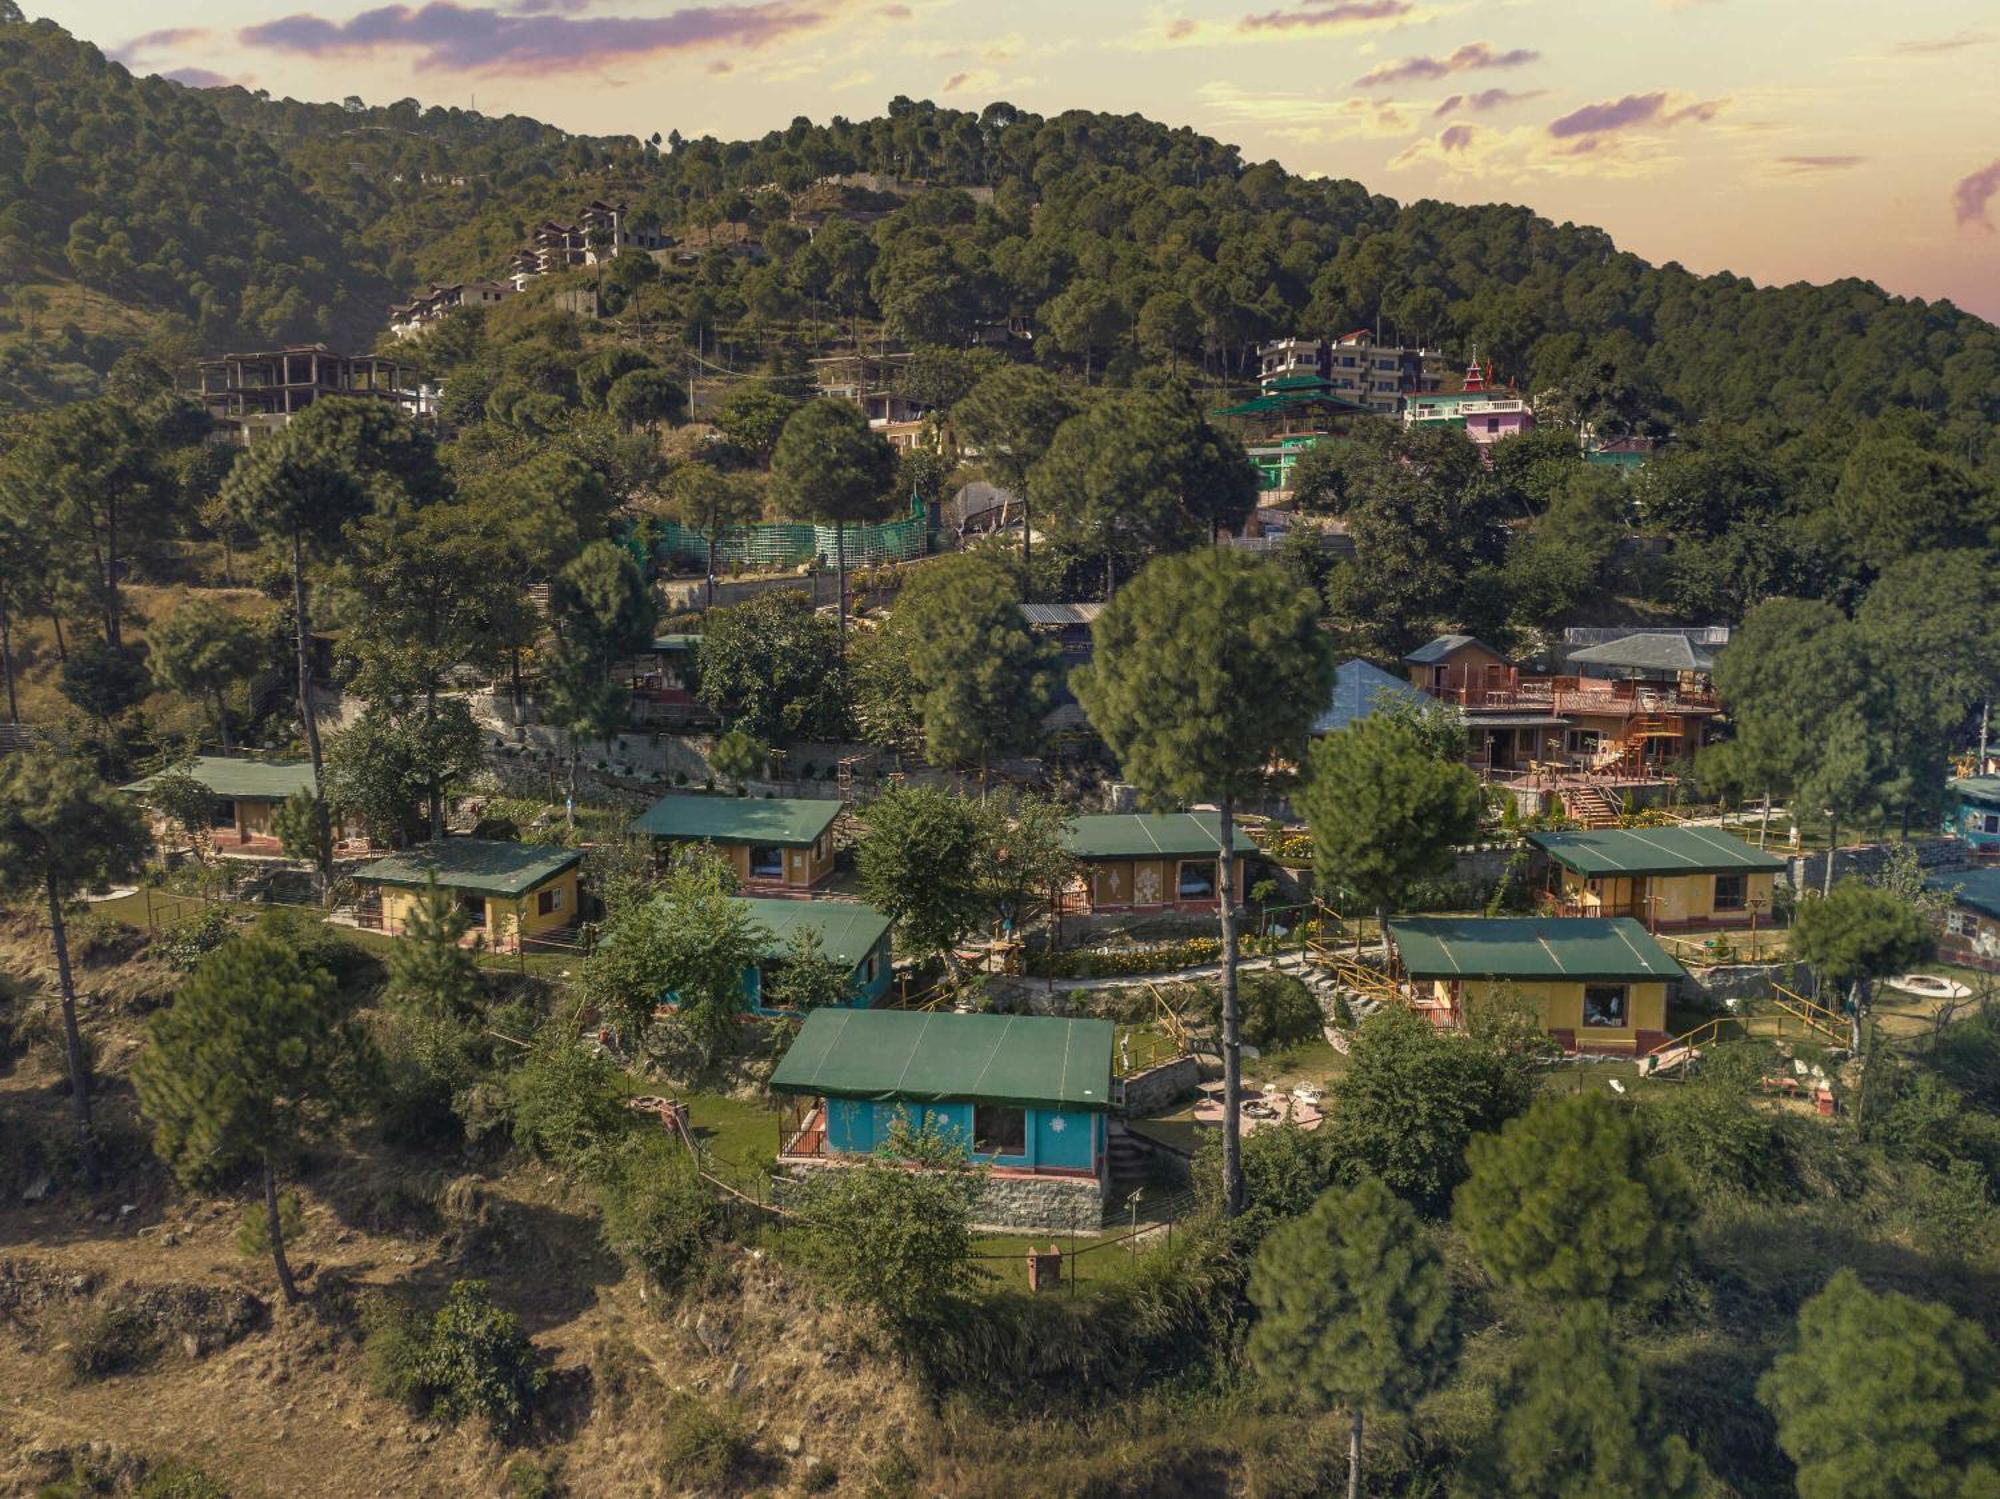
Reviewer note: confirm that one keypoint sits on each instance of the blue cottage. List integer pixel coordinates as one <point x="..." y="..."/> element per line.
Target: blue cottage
<point x="849" y="933"/>
<point x="1027" y="1096"/>
<point x="1974" y="815"/>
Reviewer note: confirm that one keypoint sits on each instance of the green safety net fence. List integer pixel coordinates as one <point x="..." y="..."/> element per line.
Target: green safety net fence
<point x="777" y="544"/>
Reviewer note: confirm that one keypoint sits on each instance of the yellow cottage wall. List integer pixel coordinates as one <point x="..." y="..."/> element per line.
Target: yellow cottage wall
<point x="1667" y="900"/>
<point x="503" y="913"/>
<point x="1559" y="1004"/>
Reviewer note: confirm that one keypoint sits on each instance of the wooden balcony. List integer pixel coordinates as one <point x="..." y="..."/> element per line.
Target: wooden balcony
<point x="1564" y="697"/>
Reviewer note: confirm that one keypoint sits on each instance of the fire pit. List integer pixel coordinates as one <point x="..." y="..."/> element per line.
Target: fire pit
<point x="1929" y="986"/>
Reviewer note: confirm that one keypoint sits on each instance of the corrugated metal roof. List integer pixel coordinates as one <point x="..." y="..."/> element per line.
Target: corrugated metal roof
<point x="1653" y="851"/>
<point x="1646" y="652"/>
<point x="488" y="866"/>
<point x="1030" y="1061"/>
<point x="1530" y="947"/>
<point x="1978" y="788"/>
<point x="1144" y="835"/>
<point x="1061" y="614"/>
<point x="791" y="822"/>
<point x="242" y="780"/>
<point x="1357" y="686"/>
<point x="1436" y="650"/>
<point x="848" y="930"/>
<point x="1977" y="889"/>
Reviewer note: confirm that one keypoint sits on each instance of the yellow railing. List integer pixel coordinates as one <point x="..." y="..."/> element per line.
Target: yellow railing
<point x="1826" y="1023"/>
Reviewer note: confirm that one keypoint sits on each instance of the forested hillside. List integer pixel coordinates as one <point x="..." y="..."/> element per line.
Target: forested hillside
<point x="256" y="219"/>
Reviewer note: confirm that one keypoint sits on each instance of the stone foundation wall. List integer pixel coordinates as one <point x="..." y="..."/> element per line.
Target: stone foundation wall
<point x="1714" y="987"/>
<point x="1161" y="1087"/>
<point x="1809" y="870"/>
<point x="1038" y="1203"/>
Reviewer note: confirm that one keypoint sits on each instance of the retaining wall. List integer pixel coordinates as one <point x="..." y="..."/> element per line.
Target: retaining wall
<point x="1161" y="1087"/>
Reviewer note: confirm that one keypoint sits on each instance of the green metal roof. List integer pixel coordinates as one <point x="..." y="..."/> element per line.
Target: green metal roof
<point x="1433" y="651"/>
<point x="1978" y="788"/>
<point x="848" y="931"/>
<point x="1530" y="947"/>
<point x="1289" y="397"/>
<point x="1647" y="652"/>
<point x="667" y="644"/>
<point x="1030" y="1061"/>
<point x="1978" y="889"/>
<point x="487" y="866"/>
<point x="1653" y="851"/>
<point x="241" y="780"/>
<point x="1142" y="835"/>
<point x="788" y="821"/>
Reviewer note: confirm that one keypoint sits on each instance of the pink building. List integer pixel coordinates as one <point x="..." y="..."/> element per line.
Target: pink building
<point x="1482" y="412"/>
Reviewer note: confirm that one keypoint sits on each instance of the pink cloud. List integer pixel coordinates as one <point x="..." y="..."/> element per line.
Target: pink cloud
<point x="1456" y="137"/>
<point x="1470" y="57"/>
<point x="1622" y="114"/>
<point x="1972" y="195"/>
<point x="952" y="85"/>
<point x="454" y="38"/>
<point x="1317" y="14"/>
<point x="1485" y="99"/>
<point x="198" y="78"/>
<point x="1799" y="165"/>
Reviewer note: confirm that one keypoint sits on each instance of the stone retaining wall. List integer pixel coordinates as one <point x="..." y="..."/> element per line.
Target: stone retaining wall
<point x="1808" y="871"/>
<point x="1038" y="1203"/>
<point x="1161" y="1087"/>
<point x="1715" y="987"/>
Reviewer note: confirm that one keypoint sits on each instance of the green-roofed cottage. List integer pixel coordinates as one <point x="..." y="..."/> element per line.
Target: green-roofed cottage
<point x="247" y="794"/>
<point x="1971" y="935"/>
<point x="773" y="843"/>
<point x="1660" y="876"/>
<point x="1600" y="984"/>
<point x="1138" y="861"/>
<point x="1027" y="1095"/>
<point x="850" y="933"/>
<point x="512" y="892"/>
<point x="1974" y="816"/>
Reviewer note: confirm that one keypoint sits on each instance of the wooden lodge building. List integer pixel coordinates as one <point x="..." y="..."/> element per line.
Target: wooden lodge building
<point x="1026" y="1096"/>
<point x="776" y="845"/>
<point x="1628" y="729"/>
<point x="247" y="796"/>
<point x="1134" y="862"/>
<point x="1661" y="877"/>
<point x="1600" y="984"/>
<point x="512" y="892"/>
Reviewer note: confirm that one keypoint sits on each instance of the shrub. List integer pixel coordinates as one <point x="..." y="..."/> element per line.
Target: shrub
<point x="1276" y="1009"/>
<point x="253" y="1229"/>
<point x="113" y="1340"/>
<point x="565" y="1101"/>
<point x="1724" y="1141"/>
<point x="705" y="1448"/>
<point x="185" y="943"/>
<point x="469" y="1358"/>
<point x="658" y="1214"/>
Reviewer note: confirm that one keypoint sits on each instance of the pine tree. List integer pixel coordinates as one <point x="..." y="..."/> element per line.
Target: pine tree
<point x="258" y="1056"/>
<point x="61" y="832"/>
<point x="1384" y="811"/>
<point x="1571" y="1201"/>
<point x="1887" y="1397"/>
<point x="1573" y="1422"/>
<point x="1208" y="667"/>
<point x="1858" y="933"/>
<point x="1354" y="1309"/>
<point x="431" y="971"/>
<point x="829" y="466"/>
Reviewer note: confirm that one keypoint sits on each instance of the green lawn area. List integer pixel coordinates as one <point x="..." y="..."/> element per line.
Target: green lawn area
<point x="1005" y="1256"/>
<point x="742" y="1132"/>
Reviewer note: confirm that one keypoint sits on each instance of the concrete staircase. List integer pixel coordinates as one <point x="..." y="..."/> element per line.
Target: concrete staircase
<point x="1590" y="807"/>
<point x="1129" y="1158"/>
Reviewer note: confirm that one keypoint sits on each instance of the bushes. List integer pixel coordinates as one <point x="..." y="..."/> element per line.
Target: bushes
<point x="1129" y="962"/>
<point x="565" y="1101"/>
<point x="658" y="1214"/>
<point x="1276" y="1009"/>
<point x="706" y="1449"/>
<point x="1724" y="1141"/>
<point x="189" y="940"/>
<point x="115" y="1339"/>
<point x="469" y="1358"/>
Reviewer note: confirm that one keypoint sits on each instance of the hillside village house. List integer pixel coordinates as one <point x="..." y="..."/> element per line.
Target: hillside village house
<point x="1598" y="984"/>
<point x="1484" y="413"/>
<point x="417" y="314"/>
<point x="1662" y="877"/>
<point x="255" y="395"/>
<point x="511" y="892"/>
<point x="775" y="844"/>
<point x="1974" y="814"/>
<point x="1631" y="729"/>
<point x="1150" y="861"/>
<point x="851" y="934"/>
<point x="1027" y="1096"/>
<point x="874" y="382"/>
<point x="247" y="795"/>
<point x="1971" y="935"/>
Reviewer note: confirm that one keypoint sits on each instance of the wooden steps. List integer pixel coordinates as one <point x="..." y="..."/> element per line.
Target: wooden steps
<point x="1590" y="807"/>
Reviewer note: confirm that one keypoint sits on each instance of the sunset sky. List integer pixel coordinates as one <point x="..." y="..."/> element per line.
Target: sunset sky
<point x="1774" y="138"/>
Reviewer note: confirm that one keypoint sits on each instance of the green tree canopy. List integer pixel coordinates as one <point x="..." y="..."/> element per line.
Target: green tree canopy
<point x="1353" y="1309"/>
<point x="771" y="665"/>
<point x="1570" y="1201"/>
<point x="1384" y="811"/>
<point x="1858" y="933"/>
<point x="922" y="861"/>
<point x="830" y="466"/>
<point x="63" y="831"/>
<point x="204" y="651"/>
<point x="258" y="1056"/>
<point x="1573" y="1422"/>
<point x="1884" y="1396"/>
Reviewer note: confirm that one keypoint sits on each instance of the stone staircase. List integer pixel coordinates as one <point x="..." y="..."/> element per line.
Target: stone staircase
<point x="1130" y="1158"/>
<point x="1590" y="807"/>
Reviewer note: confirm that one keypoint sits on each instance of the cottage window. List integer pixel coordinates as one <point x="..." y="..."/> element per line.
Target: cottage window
<point x="1585" y="741"/>
<point x="1961" y="924"/>
<point x="1732" y="891"/>
<point x="1990" y="823"/>
<point x="548" y="902"/>
<point x="766" y="862"/>
<point x="1197" y="880"/>
<point x="225" y="813"/>
<point x="1604" y="1005"/>
<point x="474" y="906"/>
<point x="999" y="1130"/>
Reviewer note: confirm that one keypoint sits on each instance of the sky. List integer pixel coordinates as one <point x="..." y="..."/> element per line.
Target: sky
<point x="1782" y="140"/>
